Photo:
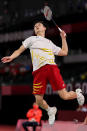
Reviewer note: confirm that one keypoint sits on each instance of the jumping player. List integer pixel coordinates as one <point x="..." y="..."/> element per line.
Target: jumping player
<point x="43" y="53"/>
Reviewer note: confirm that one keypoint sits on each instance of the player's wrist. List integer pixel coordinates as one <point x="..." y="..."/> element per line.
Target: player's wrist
<point x="11" y="57"/>
<point x="63" y="37"/>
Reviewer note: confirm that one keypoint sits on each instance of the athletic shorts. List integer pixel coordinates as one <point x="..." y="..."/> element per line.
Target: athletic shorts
<point x="47" y="73"/>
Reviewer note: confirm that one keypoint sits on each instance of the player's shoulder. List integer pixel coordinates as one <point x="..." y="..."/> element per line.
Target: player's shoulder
<point x="32" y="37"/>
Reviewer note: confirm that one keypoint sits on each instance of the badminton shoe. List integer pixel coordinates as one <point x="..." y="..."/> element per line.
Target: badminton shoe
<point x="51" y="114"/>
<point x="80" y="97"/>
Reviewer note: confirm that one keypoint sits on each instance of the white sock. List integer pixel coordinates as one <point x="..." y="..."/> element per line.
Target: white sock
<point x="48" y="108"/>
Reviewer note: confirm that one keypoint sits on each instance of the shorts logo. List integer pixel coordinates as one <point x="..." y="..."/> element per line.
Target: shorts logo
<point x="37" y="87"/>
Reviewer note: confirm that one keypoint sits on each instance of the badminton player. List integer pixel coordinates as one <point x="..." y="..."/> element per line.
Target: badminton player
<point x="43" y="53"/>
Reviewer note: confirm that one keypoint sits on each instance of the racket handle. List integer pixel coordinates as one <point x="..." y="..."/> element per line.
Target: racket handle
<point x="57" y="26"/>
<point x="60" y="29"/>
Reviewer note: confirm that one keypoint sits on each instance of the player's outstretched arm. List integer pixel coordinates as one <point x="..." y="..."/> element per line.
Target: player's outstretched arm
<point x="64" y="50"/>
<point x="15" y="54"/>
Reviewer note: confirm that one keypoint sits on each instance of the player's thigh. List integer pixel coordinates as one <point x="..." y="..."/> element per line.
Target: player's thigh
<point x="39" y="81"/>
<point x="56" y="79"/>
<point x="62" y="93"/>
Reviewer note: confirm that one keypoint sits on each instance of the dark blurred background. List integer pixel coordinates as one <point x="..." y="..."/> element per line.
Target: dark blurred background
<point x="16" y="24"/>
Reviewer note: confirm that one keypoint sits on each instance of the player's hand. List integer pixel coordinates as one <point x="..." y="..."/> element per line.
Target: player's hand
<point x="6" y="59"/>
<point x="63" y="34"/>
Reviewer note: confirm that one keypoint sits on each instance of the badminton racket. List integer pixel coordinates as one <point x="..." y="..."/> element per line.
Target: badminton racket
<point x="48" y="15"/>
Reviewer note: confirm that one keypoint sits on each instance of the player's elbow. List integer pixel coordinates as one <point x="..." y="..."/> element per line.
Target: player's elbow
<point x="65" y="53"/>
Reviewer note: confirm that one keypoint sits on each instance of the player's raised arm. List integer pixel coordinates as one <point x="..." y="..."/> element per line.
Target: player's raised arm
<point x="15" y="54"/>
<point x="64" y="50"/>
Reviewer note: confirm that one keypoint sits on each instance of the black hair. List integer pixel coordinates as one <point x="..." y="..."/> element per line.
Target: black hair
<point x="42" y="22"/>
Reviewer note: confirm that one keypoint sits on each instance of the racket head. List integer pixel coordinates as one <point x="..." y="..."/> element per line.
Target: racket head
<point x="47" y="13"/>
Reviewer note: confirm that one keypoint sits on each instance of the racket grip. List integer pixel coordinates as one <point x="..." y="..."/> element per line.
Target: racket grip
<point x="60" y="29"/>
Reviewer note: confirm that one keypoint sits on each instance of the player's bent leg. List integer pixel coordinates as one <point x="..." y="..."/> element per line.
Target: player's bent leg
<point x="64" y="94"/>
<point x="51" y="111"/>
<point x="72" y="95"/>
<point x="41" y="102"/>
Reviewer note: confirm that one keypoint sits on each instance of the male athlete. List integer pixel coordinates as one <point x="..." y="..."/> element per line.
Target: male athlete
<point x="45" y="69"/>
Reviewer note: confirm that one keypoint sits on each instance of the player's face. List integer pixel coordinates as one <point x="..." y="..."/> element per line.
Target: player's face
<point x="39" y="27"/>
